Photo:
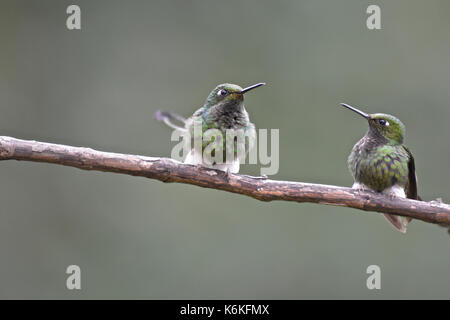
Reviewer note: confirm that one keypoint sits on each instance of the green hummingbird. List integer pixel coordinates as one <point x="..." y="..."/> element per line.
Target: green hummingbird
<point x="380" y="162"/>
<point x="223" y="109"/>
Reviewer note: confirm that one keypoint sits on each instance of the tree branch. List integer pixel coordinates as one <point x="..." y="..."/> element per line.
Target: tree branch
<point x="168" y="170"/>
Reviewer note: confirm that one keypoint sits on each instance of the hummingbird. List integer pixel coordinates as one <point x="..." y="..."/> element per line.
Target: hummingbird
<point x="223" y="109"/>
<point x="382" y="163"/>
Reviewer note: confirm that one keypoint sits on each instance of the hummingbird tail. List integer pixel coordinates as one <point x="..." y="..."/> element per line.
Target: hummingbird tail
<point x="167" y="118"/>
<point x="400" y="223"/>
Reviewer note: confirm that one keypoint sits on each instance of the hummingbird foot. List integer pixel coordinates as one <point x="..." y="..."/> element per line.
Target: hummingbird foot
<point x="392" y="196"/>
<point x="395" y="192"/>
<point x="360" y="187"/>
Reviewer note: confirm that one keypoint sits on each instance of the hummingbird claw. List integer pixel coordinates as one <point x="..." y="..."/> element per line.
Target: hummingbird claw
<point x="392" y="196"/>
<point x="359" y="187"/>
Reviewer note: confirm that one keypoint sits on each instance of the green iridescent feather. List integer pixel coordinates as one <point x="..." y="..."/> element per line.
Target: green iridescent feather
<point x="381" y="167"/>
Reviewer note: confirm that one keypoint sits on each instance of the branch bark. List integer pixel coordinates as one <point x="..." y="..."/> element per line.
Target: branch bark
<point x="168" y="170"/>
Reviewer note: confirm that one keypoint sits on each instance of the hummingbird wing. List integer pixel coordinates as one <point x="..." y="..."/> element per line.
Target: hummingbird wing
<point x="167" y="118"/>
<point x="411" y="188"/>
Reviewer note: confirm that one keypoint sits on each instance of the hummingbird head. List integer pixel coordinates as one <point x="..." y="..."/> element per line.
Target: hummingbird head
<point x="228" y="95"/>
<point x="382" y="126"/>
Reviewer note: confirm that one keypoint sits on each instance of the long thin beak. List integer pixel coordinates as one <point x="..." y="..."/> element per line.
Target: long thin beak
<point x="252" y="87"/>
<point x="363" y="114"/>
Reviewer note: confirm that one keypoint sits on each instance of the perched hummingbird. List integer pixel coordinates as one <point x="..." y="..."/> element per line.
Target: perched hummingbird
<point x="223" y="109"/>
<point x="380" y="161"/>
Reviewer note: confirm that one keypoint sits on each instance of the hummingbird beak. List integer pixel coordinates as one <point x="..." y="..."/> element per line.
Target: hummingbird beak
<point x="252" y="87"/>
<point x="363" y="114"/>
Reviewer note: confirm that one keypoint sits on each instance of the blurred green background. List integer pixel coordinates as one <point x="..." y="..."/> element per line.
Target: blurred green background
<point x="139" y="238"/>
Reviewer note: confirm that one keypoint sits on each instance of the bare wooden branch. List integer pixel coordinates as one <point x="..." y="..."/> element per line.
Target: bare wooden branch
<point x="168" y="170"/>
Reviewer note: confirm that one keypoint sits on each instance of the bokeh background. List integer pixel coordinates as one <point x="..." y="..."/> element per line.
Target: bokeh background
<point x="139" y="238"/>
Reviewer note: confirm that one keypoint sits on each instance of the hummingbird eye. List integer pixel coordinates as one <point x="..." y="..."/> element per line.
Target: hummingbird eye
<point x="383" y="122"/>
<point x="222" y="92"/>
